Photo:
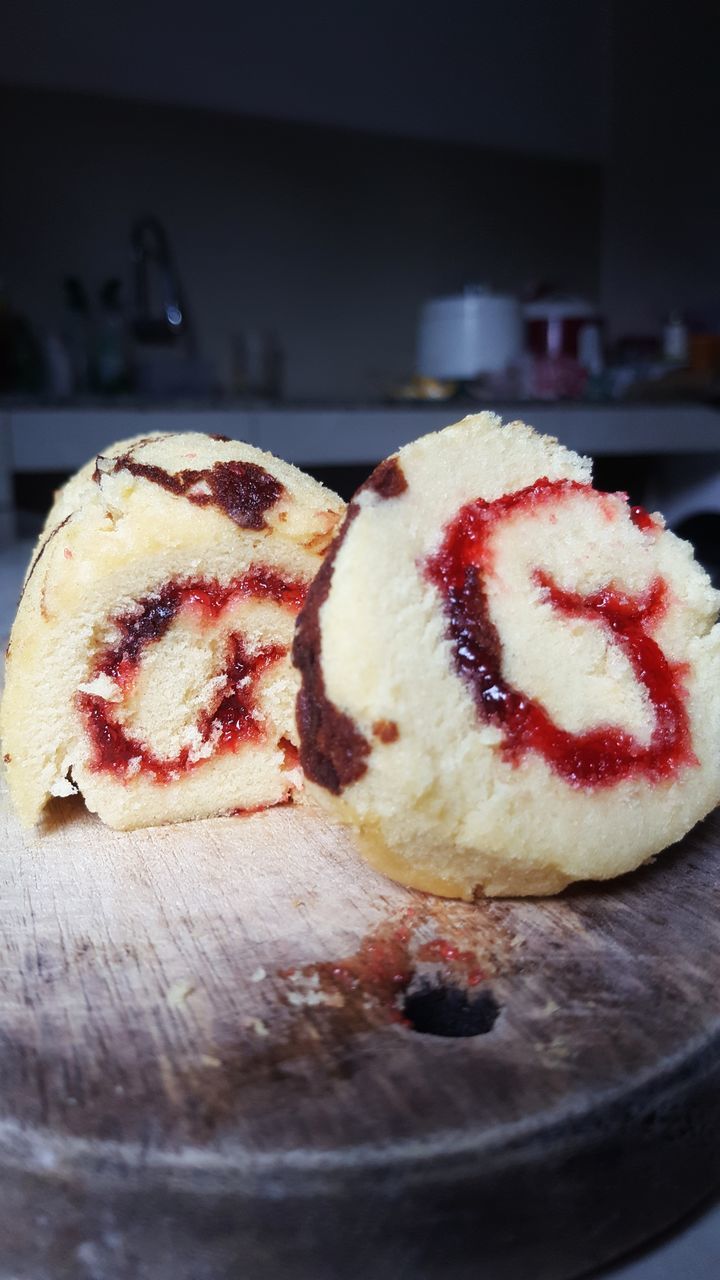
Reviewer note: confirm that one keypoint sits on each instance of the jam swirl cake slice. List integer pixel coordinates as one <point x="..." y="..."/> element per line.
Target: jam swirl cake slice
<point x="149" y="665"/>
<point x="510" y="680"/>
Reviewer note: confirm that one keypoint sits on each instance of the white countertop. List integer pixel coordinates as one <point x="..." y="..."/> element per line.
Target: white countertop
<point x="691" y="1253"/>
<point x="61" y="439"/>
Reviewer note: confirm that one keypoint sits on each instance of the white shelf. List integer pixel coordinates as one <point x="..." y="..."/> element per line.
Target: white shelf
<point x="62" y="439"/>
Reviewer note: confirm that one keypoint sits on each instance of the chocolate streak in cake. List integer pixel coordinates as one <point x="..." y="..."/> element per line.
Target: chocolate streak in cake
<point x="386" y="731"/>
<point x="53" y="533"/>
<point x="244" y="491"/>
<point x="387" y="480"/>
<point x="333" y="751"/>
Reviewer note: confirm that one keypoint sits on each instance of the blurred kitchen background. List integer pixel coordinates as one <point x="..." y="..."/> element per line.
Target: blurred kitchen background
<point x="328" y="227"/>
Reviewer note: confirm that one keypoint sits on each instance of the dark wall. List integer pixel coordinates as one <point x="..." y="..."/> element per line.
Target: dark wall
<point x="333" y="237"/>
<point x="662" y="225"/>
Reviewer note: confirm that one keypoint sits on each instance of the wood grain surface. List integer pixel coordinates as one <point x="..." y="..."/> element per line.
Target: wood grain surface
<point x="209" y="1068"/>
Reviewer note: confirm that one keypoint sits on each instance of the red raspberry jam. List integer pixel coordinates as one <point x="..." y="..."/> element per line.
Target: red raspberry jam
<point x="644" y="520"/>
<point x="232" y="719"/>
<point x="598" y="757"/>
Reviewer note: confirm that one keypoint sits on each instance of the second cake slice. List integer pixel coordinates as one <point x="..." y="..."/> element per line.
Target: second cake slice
<point x="148" y="665"/>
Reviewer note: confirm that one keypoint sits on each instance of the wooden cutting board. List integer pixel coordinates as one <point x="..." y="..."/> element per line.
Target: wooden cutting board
<point x="230" y="1049"/>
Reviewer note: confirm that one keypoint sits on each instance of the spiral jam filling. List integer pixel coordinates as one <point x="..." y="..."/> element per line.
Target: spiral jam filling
<point x="232" y="718"/>
<point x="598" y="757"/>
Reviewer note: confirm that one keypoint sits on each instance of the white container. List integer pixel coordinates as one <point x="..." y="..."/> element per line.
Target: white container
<point x="676" y="342"/>
<point x="469" y="334"/>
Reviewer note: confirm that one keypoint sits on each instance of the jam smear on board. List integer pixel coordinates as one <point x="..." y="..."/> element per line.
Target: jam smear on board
<point x="379" y="971"/>
<point x="376" y="976"/>
<point x="231" y="720"/>
<point x="598" y="757"/>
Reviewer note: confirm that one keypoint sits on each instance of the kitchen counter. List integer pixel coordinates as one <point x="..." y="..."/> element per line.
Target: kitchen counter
<point x="692" y="1252"/>
<point x="682" y="440"/>
<point x="61" y="439"/>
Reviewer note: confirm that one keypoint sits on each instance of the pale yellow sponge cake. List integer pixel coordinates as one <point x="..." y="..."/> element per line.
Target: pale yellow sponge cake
<point x="510" y="681"/>
<point x="149" y="664"/>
